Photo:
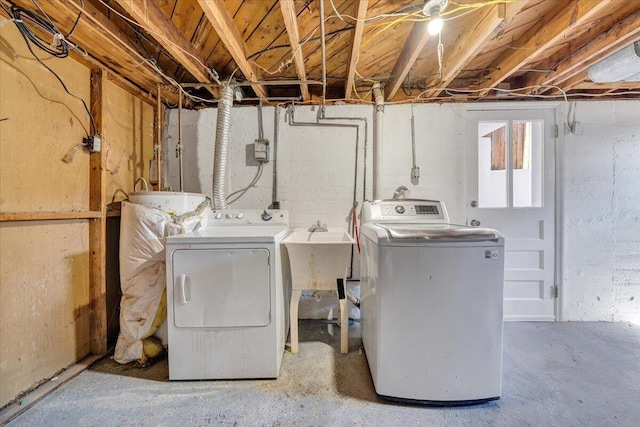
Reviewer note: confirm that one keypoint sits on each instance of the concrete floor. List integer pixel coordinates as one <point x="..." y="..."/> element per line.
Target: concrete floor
<point x="564" y="374"/>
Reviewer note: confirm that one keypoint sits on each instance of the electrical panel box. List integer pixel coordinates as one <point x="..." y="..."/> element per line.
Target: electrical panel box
<point x="261" y="150"/>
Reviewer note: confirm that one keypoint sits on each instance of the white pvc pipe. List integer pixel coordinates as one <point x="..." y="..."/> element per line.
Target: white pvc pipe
<point x="377" y="143"/>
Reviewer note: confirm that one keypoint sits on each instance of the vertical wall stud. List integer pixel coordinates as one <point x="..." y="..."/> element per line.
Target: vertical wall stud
<point x="97" y="226"/>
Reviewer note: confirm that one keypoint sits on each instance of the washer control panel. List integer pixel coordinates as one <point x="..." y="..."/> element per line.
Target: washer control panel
<point x="249" y="216"/>
<point x="406" y="210"/>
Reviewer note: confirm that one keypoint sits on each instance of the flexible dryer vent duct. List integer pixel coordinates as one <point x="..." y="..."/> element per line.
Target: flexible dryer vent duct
<point x="622" y="66"/>
<point x="221" y="159"/>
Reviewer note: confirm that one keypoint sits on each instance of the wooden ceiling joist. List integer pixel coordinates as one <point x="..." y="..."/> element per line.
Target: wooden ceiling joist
<point x="291" y="23"/>
<point x="103" y="41"/>
<point x="356" y="40"/>
<point x="617" y="37"/>
<point x="149" y="15"/>
<point x="467" y="46"/>
<point x="544" y="34"/>
<point x="224" y="25"/>
<point x="418" y="38"/>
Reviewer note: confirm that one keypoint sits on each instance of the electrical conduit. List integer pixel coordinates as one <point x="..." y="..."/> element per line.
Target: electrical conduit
<point x="377" y="142"/>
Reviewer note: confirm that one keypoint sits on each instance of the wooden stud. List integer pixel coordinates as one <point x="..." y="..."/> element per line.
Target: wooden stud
<point x="47" y="216"/>
<point x="149" y="15"/>
<point x="97" y="226"/>
<point x="545" y="33"/>
<point x="291" y="22"/>
<point x="617" y="37"/>
<point x="412" y="48"/>
<point x="223" y="23"/>
<point x="356" y="40"/>
<point x="466" y="47"/>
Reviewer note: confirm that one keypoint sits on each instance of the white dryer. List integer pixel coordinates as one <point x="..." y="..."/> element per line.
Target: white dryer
<point x="431" y="304"/>
<point x="227" y="305"/>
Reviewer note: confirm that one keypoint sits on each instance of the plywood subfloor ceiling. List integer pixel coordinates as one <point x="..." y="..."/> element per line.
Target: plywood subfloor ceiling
<point x="273" y="48"/>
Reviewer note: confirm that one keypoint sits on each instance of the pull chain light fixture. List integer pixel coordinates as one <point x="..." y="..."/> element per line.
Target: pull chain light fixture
<point x="433" y="9"/>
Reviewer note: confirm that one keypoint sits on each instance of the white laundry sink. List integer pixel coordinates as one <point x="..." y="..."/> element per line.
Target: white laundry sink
<point x="175" y="203"/>
<point x="317" y="259"/>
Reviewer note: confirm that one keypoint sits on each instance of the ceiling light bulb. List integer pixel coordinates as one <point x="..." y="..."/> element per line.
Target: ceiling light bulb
<point x="435" y="24"/>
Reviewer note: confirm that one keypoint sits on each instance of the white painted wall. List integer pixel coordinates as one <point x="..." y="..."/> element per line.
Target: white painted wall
<point x="600" y="174"/>
<point x="602" y="214"/>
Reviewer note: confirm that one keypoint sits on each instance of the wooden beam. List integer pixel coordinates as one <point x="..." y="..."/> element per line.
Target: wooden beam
<point x="620" y="35"/>
<point x="149" y="15"/>
<point x="291" y="23"/>
<point x="356" y="40"/>
<point x="98" y="226"/>
<point x="223" y="23"/>
<point x="411" y="50"/>
<point x="102" y="40"/>
<point x="545" y="33"/>
<point x="467" y="45"/>
<point x="47" y="216"/>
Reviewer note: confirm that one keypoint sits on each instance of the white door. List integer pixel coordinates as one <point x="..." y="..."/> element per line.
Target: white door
<point x="510" y="186"/>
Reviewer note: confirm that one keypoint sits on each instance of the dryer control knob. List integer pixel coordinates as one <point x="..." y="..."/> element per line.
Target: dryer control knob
<point x="229" y="216"/>
<point x="218" y="215"/>
<point x="266" y="216"/>
<point x="400" y="209"/>
<point x="240" y="215"/>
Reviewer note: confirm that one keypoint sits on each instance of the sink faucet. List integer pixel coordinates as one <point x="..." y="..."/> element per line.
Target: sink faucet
<point x="317" y="227"/>
<point x="399" y="192"/>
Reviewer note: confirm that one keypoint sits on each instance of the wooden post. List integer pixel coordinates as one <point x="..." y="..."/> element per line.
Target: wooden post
<point x="97" y="226"/>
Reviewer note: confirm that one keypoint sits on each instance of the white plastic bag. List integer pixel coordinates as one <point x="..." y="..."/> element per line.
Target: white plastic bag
<point x="143" y="231"/>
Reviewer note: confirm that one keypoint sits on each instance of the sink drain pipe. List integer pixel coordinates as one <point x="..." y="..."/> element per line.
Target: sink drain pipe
<point x="221" y="156"/>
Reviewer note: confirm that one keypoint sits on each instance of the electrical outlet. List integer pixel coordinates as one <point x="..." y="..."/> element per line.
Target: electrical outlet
<point x="92" y="143"/>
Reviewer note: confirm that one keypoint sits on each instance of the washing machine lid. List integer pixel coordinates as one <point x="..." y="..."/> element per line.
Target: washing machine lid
<point x="233" y="234"/>
<point x="421" y="234"/>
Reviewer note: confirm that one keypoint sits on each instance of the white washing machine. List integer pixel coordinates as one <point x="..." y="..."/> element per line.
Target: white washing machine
<point x="227" y="306"/>
<point x="431" y="304"/>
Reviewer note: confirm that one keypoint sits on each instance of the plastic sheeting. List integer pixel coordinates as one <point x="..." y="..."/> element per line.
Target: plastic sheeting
<point x="143" y="232"/>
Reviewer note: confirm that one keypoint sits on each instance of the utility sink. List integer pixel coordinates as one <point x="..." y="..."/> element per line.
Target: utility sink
<point x="318" y="261"/>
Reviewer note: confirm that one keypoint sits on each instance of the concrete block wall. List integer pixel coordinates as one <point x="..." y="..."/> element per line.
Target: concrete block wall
<point x="600" y="183"/>
<point x="602" y="213"/>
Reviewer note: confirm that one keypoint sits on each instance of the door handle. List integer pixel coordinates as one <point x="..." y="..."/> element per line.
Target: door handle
<point x="475" y="223"/>
<point x="184" y="289"/>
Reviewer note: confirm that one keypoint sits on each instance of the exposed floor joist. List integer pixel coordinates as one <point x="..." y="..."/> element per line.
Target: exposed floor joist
<point x="416" y="41"/>
<point x="103" y="40"/>
<point x="291" y="23"/>
<point x="149" y="15"/>
<point x="544" y="34"/>
<point x="467" y="45"/>
<point x="356" y="40"/>
<point x="224" y="25"/>
<point x="617" y="37"/>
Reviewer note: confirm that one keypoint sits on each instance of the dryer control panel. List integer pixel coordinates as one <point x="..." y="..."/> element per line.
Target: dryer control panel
<point x="249" y="217"/>
<point x="405" y="210"/>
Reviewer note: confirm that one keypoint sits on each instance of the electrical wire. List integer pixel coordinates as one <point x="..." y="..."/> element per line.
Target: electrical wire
<point x="243" y="191"/>
<point x="212" y="72"/>
<point x="22" y="18"/>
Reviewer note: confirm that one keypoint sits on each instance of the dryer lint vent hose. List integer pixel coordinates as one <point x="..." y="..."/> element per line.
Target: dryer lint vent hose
<point x="221" y="155"/>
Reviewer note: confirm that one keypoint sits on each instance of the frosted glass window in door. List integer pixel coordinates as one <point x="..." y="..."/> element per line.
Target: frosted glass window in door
<point x="492" y="164"/>
<point x="526" y="155"/>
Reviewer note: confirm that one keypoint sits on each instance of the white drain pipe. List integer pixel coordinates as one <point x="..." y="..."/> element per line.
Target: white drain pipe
<point x="377" y="142"/>
<point x="221" y="159"/>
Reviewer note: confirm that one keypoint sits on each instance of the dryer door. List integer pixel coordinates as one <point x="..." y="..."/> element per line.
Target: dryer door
<point x="221" y="288"/>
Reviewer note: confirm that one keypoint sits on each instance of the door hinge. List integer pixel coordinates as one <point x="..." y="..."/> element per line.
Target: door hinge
<point x="554" y="291"/>
<point x="555" y="131"/>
